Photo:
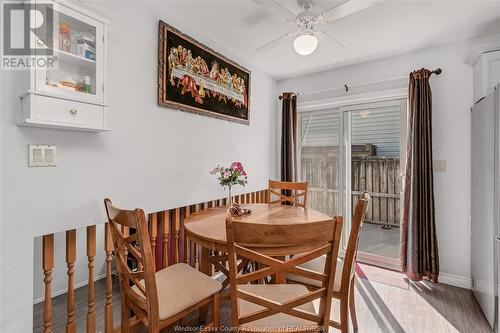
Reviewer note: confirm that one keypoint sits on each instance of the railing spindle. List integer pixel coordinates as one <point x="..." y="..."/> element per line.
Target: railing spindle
<point x="48" y="267"/>
<point x="165" y="230"/>
<point x="186" y="246"/>
<point x="108" y="307"/>
<point x="91" y="252"/>
<point x="70" y="262"/>
<point x="177" y="228"/>
<point x="195" y="246"/>
<point x="153" y="233"/>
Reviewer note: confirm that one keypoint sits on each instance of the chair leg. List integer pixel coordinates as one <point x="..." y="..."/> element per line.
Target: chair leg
<point x="215" y="312"/>
<point x="125" y="319"/>
<point x="344" y="324"/>
<point x="352" y="306"/>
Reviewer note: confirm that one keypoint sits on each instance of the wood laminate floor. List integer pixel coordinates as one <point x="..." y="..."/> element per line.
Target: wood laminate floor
<point x="381" y="307"/>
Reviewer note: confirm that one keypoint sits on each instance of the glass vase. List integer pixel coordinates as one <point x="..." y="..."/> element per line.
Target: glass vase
<point x="229" y="200"/>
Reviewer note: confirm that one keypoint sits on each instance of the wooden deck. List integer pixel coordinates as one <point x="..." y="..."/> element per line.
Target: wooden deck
<point x="381" y="242"/>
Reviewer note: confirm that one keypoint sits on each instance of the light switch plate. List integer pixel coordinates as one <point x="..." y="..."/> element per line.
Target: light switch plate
<point x="440" y="166"/>
<point x="42" y="156"/>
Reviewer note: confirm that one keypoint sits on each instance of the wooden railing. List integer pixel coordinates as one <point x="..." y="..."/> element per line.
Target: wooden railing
<point x="168" y="242"/>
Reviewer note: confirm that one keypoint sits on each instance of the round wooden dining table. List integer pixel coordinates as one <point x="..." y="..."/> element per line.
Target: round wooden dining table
<point x="207" y="228"/>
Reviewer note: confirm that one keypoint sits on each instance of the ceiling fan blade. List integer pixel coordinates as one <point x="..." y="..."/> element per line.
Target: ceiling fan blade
<point x="347" y="8"/>
<point x="274" y="42"/>
<point x="277" y="9"/>
<point x="332" y="38"/>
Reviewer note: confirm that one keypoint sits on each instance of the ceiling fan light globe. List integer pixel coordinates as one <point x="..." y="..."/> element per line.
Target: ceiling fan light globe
<point x="305" y="44"/>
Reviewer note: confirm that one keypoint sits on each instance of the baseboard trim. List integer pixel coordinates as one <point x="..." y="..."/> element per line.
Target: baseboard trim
<point x="455" y="280"/>
<point x="65" y="290"/>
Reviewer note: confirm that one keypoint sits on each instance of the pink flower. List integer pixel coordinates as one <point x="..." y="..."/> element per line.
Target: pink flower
<point x="216" y="170"/>
<point x="236" y="166"/>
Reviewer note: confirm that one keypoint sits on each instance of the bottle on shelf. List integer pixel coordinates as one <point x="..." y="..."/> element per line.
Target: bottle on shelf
<point x="64" y="37"/>
<point x="84" y="86"/>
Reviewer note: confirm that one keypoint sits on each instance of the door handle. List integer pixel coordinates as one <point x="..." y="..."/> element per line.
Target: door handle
<point x="497" y="237"/>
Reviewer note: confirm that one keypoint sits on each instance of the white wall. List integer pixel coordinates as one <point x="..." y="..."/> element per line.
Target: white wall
<point x="452" y="99"/>
<point x="1" y="211"/>
<point x="154" y="158"/>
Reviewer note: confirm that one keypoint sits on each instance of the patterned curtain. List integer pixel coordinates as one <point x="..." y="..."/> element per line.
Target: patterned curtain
<point x="289" y="138"/>
<point x="419" y="248"/>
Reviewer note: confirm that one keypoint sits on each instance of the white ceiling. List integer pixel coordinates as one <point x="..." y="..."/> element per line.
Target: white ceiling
<point x="387" y="28"/>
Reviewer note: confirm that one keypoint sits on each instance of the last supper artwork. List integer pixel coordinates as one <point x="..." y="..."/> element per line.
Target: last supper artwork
<point x="194" y="78"/>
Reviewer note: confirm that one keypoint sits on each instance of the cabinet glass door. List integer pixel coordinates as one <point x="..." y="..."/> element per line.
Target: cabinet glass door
<point x="78" y="50"/>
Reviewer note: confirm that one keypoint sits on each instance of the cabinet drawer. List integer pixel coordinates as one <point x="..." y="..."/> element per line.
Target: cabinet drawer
<point x="55" y="111"/>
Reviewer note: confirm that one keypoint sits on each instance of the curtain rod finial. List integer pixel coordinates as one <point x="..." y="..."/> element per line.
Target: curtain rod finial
<point x="438" y="71"/>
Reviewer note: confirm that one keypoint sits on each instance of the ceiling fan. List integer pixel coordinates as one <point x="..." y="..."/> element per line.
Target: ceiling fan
<point x="307" y="21"/>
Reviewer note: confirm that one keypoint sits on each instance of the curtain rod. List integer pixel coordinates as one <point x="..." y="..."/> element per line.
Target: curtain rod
<point x="346" y="86"/>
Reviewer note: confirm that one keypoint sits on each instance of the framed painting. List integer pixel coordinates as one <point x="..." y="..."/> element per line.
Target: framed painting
<point x="195" y="78"/>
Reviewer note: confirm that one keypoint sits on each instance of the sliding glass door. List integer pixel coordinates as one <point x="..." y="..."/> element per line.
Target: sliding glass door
<point x="351" y="149"/>
<point x="319" y="162"/>
<point x="373" y="137"/>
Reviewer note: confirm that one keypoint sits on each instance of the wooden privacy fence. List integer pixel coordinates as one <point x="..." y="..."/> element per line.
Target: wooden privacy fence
<point x="168" y="242"/>
<point x="377" y="175"/>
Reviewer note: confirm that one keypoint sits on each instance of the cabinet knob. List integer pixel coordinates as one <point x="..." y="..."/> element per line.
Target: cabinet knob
<point x="73" y="111"/>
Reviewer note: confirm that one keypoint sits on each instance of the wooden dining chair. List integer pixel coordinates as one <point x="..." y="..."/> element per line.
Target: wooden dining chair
<point x="293" y="193"/>
<point x="281" y="307"/>
<point x="343" y="288"/>
<point x="157" y="299"/>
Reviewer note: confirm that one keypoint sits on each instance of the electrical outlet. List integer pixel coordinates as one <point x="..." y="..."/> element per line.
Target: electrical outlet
<point x="440" y="166"/>
<point x="42" y="156"/>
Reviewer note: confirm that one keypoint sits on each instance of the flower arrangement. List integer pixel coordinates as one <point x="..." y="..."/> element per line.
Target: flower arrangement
<point x="230" y="176"/>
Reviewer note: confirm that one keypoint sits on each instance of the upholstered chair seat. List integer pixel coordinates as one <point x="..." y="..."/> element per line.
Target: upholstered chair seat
<point x="179" y="287"/>
<point x="318" y="265"/>
<point x="278" y="293"/>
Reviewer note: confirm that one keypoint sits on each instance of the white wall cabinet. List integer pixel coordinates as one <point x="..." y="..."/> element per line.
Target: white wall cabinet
<point x="486" y="74"/>
<point x="73" y="94"/>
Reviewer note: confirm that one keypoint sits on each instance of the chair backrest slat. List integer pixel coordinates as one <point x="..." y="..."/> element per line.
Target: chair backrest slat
<point x="249" y="241"/>
<point x="273" y="235"/>
<point x="129" y="233"/>
<point x="294" y="193"/>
